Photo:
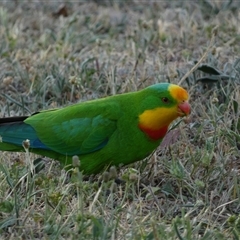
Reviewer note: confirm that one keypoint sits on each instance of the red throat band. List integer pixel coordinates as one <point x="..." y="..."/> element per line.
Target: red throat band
<point x="154" y="134"/>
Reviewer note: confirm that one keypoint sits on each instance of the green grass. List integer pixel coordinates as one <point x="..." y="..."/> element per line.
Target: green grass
<point x="188" y="189"/>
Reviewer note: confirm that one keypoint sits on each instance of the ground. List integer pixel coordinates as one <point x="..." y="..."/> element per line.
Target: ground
<point x="58" y="53"/>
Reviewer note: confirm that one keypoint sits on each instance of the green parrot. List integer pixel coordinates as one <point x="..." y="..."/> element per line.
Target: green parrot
<point x="115" y="130"/>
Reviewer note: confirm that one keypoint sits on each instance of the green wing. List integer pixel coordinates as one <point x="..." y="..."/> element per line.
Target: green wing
<point x="78" y="129"/>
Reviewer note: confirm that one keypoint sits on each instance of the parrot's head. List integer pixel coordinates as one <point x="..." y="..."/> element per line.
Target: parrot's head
<point x="162" y="104"/>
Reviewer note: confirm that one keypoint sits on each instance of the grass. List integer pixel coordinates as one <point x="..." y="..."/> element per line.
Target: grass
<point x="56" y="54"/>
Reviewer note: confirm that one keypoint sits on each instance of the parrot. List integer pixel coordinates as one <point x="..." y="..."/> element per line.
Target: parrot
<point x="112" y="131"/>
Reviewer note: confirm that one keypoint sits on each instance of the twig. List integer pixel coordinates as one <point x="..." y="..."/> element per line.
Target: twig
<point x="214" y="33"/>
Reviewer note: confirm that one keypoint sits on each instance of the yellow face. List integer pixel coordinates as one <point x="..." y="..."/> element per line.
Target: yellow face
<point x="160" y="117"/>
<point x="157" y="118"/>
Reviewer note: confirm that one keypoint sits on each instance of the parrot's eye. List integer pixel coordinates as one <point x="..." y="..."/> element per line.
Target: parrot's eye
<point x="165" y="100"/>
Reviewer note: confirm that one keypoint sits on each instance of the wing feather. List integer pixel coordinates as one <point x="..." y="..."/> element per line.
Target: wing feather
<point x="77" y="129"/>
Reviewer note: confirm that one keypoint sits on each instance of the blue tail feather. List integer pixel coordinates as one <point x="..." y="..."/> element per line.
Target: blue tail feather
<point x="17" y="132"/>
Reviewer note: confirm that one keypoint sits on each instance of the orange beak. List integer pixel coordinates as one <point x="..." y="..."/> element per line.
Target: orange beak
<point x="184" y="109"/>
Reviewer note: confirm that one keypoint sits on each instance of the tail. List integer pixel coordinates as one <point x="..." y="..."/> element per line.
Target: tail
<point x="13" y="131"/>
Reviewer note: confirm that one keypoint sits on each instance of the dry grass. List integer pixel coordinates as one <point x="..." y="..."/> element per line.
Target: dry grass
<point x="57" y="54"/>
